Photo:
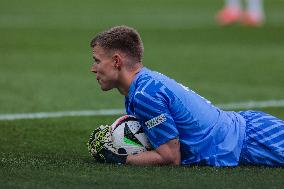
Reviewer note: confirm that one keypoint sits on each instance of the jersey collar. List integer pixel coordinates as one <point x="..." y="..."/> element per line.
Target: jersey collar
<point x="133" y="83"/>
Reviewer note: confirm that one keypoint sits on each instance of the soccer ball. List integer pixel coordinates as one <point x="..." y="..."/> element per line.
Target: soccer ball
<point x="128" y="134"/>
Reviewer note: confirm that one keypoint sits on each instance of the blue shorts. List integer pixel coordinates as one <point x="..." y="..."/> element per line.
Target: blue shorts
<point x="264" y="141"/>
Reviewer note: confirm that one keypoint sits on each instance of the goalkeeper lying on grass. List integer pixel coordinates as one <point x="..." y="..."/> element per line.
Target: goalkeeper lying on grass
<point x="182" y="127"/>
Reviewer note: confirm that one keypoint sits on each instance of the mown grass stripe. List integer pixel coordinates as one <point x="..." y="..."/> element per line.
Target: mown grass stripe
<point x="106" y="112"/>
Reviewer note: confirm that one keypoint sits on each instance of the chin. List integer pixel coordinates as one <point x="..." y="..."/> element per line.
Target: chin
<point x="105" y="88"/>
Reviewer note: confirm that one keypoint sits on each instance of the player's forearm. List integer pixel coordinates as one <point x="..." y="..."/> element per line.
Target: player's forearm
<point x="151" y="158"/>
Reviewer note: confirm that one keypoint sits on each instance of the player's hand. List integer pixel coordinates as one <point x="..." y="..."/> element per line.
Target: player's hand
<point x="113" y="155"/>
<point x="101" y="147"/>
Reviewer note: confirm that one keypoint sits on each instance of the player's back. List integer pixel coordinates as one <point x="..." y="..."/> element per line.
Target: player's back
<point x="207" y="134"/>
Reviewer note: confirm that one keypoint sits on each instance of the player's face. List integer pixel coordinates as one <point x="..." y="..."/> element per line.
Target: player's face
<point x="104" y="68"/>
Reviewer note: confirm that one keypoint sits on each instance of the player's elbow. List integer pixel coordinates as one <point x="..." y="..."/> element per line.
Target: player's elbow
<point x="176" y="161"/>
<point x="173" y="159"/>
<point x="170" y="152"/>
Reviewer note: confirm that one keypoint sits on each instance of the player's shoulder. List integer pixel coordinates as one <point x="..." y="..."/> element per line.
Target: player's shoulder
<point x="151" y="84"/>
<point x="151" y="78"/>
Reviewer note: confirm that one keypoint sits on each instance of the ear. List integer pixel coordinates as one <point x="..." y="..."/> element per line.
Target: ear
<point x="118" y="60"/>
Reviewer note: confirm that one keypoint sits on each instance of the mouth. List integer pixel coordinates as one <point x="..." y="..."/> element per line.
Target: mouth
<point x="98" y="80"/>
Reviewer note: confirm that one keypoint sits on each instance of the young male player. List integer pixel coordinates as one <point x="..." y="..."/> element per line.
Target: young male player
<point x="182" y="127"/>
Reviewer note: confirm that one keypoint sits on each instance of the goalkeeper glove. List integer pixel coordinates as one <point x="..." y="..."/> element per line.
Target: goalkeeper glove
<point x="101" y="147"/>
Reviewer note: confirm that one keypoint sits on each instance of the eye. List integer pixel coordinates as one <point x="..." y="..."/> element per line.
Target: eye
<point x="96" y="61"/>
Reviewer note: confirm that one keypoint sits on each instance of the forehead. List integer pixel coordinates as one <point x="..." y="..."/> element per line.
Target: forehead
<point x="97" y="50"/>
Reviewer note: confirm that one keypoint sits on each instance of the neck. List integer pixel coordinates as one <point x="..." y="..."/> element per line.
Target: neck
<point x="126" y="79"/>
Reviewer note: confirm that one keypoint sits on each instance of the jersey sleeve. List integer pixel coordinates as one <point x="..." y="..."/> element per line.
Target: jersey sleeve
<point x="155" y="117"/>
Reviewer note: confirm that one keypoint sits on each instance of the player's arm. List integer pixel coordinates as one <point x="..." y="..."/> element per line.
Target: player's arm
<point x="101" y="147"/>
<point x="165" y="154"/>
<point x="160" y="128"/>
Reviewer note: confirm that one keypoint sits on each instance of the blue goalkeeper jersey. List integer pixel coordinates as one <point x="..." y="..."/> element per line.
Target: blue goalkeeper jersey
<point x="167" y="110"/>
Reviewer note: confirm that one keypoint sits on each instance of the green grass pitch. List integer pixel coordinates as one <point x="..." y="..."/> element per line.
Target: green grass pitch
<point x="45" y="62"/>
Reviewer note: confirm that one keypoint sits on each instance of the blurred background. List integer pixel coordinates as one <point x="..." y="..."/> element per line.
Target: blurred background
<point x="45" y="57"/>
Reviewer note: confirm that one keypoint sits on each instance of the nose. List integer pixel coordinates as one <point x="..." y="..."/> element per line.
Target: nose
<point x="94" y="68"/>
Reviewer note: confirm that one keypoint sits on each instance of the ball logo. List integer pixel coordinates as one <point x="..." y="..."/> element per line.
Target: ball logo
<point x="156" y="121"/>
